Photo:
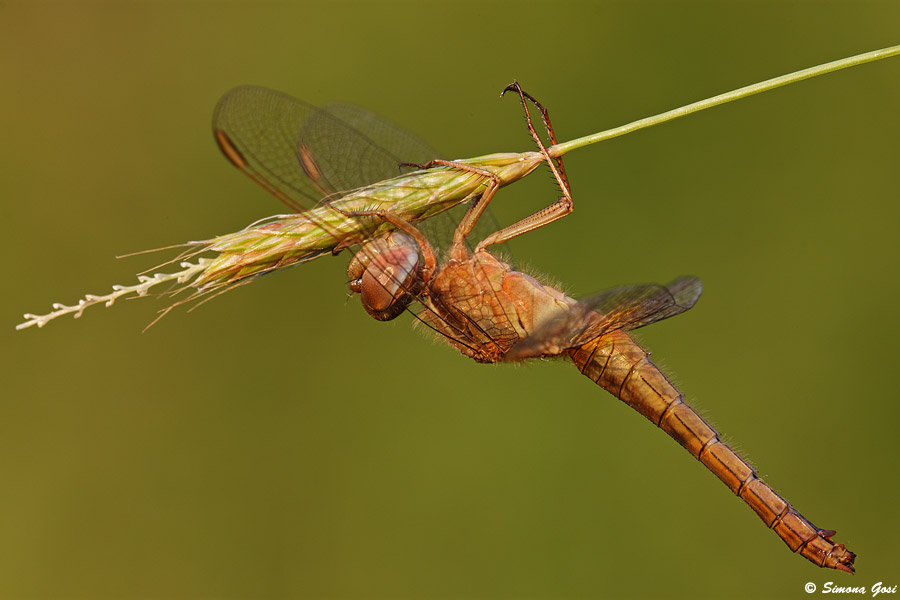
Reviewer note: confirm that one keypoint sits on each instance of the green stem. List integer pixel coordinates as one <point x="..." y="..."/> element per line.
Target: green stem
<point x="763" y="86"/>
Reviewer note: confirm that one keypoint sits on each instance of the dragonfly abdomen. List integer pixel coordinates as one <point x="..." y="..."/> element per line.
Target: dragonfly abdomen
<point x="621" y="366"/>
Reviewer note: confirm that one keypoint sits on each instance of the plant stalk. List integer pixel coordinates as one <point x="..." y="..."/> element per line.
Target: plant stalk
<point x="763" y="86"/>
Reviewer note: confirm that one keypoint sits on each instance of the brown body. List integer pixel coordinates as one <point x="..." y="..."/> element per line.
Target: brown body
<point x="484" y="308"/>
<point x="492" y="313"/>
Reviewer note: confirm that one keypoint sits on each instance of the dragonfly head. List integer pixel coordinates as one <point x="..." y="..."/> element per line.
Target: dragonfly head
<point x="385" y="274"/>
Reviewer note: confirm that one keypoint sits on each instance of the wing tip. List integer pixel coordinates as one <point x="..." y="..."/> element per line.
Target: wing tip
<point x="686" y="291"/>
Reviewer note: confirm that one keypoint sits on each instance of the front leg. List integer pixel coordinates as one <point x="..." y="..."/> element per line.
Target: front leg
<point x="479" y="202"/>
<point x="430" y="260"/>
<point x="558" y="209"/>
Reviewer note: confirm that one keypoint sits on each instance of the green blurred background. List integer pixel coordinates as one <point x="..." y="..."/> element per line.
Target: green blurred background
<point x="278" y="443"/>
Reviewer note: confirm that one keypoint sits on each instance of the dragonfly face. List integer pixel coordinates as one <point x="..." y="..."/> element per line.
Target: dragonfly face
<point x="385" y="273"/>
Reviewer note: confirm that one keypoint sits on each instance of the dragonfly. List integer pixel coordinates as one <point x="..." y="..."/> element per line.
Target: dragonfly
<point x="336" y="168"/>
<point x="493" y="313"/>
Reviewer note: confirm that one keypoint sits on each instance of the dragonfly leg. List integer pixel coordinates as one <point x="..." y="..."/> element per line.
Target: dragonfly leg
<point x="384" y="215"/>
<point x="479" y="201"/>
<point x="558" y="209"/>
<point x="545" y="216"/>
<point x="440" y="162"/>
<point x="545" y="117"/>
<point x="478" y="206"/>
<point x="419" y="166"/>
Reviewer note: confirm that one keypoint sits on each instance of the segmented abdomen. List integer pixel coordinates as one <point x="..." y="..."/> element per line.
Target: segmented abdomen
<point x="621" y="366"/>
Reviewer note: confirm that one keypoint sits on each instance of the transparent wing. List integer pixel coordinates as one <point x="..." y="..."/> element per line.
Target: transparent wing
<point x="301" y="153"/>
<point x="369" y="163"/>
<point x="627" y="307"/>
<point x="355" y="147"/>
<point x="630" y="307"/>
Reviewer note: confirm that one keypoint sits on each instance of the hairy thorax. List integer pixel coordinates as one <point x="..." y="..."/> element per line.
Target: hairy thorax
<point x="484" y="307"/>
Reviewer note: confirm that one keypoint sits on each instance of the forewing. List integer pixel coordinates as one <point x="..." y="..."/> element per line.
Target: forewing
<point x="363" y="149"/>
<point x="301" y="153"/>
<point x="390" y="147"/>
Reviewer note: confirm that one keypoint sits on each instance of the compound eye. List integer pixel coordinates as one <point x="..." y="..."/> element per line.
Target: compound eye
<point x="389" y="282"/>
